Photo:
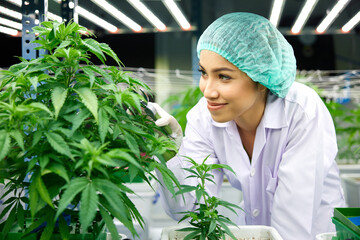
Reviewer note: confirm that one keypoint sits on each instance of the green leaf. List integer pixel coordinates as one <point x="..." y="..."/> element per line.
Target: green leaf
<point x="91" y="74"/>
<point x="42" y="107"/>
<point x="122" y="155"/>
<point x="16" y="134"/>
<point x="132" y="143"/>
<point x="33" y="199"/>
<point x="89" y="99"/>
<point x="94" y="47"/>
<point x="79" y="119"/>
<point x="106" y="49"/>
<point x="227" y="230"/>
<point x="219" y="166"/>
<point x="64" y="44"/>
<point x="42" y="190"/>
<point x="64" y="229"/>
<point x="4" y="144"/>
<point x="9" y="222"/>
<point x="58" y="97"/>
<point x="116" y="207"/>
<point x="48" y="230"/>
<point x="20" y="215"/>
<point x="59" y="170"/>
<point x="192" y="235"/>
<point x="88" y="205"/>
<point x="72" y="189"/>
<point x="109" y="223"/>
<point x="58" y="143"/>
<point x="103" y="124"/>
<point x="212" y="226"/>
<point x="34" y="81"/>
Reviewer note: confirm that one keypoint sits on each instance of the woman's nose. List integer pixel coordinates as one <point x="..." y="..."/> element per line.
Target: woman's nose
<point x="210" y="90"/>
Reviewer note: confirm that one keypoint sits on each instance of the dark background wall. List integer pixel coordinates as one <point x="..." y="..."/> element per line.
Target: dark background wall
<point x="134" y="50"/>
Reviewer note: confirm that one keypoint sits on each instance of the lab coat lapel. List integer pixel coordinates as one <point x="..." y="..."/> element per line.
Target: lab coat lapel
<point x="274" y="118"/>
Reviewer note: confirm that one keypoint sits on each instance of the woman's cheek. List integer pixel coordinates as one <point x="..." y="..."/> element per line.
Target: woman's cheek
<point x="202" y="85"/>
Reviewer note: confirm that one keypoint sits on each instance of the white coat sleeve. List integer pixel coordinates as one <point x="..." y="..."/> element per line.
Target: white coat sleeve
<point x="197" y="145"/>
<point x="310" y="149"/>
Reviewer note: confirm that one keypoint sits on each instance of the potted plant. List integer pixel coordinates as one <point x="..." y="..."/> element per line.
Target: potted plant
<point x="71" y="133"/>
<point x="205" y="221"/>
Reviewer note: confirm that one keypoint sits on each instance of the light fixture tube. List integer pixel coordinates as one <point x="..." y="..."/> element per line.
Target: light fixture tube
<point x="351" y="23"/>
<point x="9" y="23"/>
<point x="10" y="13"/>
<point x="95" y="19"/>
<point x="118" y="15"/>
<point x="326" y="22"/>
<point x="276" y="12"/>
<point x="177" y="14"/>
<point x="54" y="17"/>
<point x="303" y="16"/>
<point x="155" y="21"/>
<point x="9" y="31"/>
<point x="16" y="2"/>
<point x="19" y="15"/>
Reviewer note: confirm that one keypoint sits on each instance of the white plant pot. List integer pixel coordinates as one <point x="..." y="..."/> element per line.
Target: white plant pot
<point x="325" y="236"/>
<point x="253" y="232"/>
<point x="352" y="189"/>
<point x="122" y="236"/>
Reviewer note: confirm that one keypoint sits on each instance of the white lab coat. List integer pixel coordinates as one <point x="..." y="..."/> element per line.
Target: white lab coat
<point x="292" y="181"/>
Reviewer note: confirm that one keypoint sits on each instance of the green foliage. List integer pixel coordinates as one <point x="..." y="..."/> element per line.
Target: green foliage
<point x="182" y="103"/>
<point x="205" y="220"/>
<point x="347" y="126"/>
<point x="72" y="127"/>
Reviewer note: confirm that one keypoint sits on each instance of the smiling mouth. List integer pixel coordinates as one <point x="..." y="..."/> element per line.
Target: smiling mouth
<point x="215" y="106"/>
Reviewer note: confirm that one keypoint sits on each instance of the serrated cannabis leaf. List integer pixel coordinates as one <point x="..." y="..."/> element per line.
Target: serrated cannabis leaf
<point x="4" y="144"/>
<point x="89" y="99"/>
<point x="58" y="143"/>
<point x="88" y="205"/>
<point x="58" y="97"/>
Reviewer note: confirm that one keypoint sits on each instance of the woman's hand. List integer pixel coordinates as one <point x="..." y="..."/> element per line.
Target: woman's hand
<point x="165" y="119"/>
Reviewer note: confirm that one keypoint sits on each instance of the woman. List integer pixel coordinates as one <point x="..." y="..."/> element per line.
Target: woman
<point x="275" y="133"/>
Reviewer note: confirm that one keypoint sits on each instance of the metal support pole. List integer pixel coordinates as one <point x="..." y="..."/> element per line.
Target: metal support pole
<point x="68" y="10"/>
<point x="33" y="12"/>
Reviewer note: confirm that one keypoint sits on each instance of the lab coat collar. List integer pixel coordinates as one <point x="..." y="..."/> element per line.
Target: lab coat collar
<point x="274" y="115"/>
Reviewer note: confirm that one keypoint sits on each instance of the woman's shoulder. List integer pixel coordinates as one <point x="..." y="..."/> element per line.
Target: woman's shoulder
<point x="305" y="99"/>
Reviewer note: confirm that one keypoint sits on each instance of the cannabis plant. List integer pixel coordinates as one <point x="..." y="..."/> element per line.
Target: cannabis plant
<point x="71" y="132"/>
<point x="182" y="103"/>
<point x="205" y="220"/>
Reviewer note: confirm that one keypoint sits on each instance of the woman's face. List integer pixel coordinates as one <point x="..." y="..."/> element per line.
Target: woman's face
<point x="230" y="93"/>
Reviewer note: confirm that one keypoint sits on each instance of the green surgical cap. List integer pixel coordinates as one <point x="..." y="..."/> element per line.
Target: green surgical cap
<point x="255" y="46"/>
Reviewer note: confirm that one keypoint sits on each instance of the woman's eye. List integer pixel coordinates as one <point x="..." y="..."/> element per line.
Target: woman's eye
<point x="224" y="77"/>
<point x="203" y="73"/>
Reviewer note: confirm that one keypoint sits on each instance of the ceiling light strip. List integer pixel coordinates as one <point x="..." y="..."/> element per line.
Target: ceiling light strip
<point x="328" y="20"/>
<point x="351" y="23"/>
<point x="9" y="31"/>
<point x="10" y="13"/>
<point x="95" y="19"/>
<point x="177" y="14"/>
<point x="9" y="23"/>
<point x="155" y="21"/>
<point x="16" y="2"/>
<point x="303" y="16"/>
<point x="118" y="15"/>
<point x="54" y="17"/>
<point x="18" y="15"/>
<point x="276" y="12"/>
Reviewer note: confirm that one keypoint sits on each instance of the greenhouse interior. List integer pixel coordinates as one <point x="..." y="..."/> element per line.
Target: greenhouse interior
<point x="180" y="119"/>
